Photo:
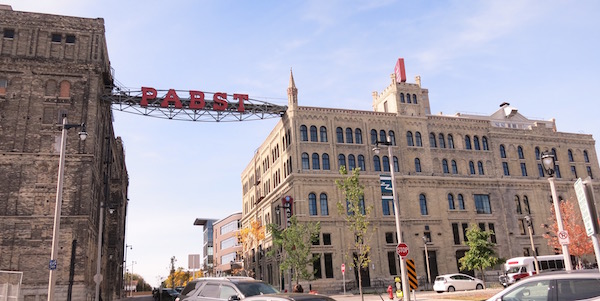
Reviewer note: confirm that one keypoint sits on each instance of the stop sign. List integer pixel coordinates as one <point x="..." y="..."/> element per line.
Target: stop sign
<point x="402" y="250"/>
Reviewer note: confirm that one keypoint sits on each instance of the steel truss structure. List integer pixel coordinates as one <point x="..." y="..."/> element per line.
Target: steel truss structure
<point x="128" y="101"/>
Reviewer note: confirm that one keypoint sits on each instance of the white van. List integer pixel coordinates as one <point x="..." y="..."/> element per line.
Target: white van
<point x="520" y="267"/>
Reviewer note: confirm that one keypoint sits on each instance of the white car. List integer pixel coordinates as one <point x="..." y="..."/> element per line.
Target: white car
<point x="456" y="282"/>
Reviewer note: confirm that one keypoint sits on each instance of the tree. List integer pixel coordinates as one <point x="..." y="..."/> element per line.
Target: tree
<point x="356" y="215"/>
<point x="250" y="237"/>
<point x="481" y="254"/>
<point x="296" y="241"/>
<point x="572" y="222"/>
<point x="178" y="278"/>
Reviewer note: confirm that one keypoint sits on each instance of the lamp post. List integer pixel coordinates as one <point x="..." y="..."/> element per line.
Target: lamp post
<point x="425" y="241"/>
<point x="125" y="269"/>
<point x="58" y="207"/>
<point x="376" y="149"/>
<point x="549" y="165"/>
<point x="131" y="278"/>
<point x="537" y="265"/>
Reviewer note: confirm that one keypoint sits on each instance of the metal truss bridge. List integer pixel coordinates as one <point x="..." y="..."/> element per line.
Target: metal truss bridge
<point x="215" y="107"/>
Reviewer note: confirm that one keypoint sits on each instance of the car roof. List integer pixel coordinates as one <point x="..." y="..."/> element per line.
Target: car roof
<point x="565" y="274"/>
<point x="228" y="278"/>
<point x="292" y="296"/>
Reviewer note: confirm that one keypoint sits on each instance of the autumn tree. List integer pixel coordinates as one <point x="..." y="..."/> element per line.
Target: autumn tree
<point x="356" y="215"/>
<point x="178" y="278"/>
<point x="580" y="244"/>
<point x="250" y="237"/>
<point x="296" y="241"/>
<point x="481" y="254"/>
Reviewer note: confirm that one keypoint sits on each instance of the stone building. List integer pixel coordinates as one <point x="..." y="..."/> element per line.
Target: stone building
<point x="227" y="250"/>
<point x="451" y="171"/>
<point x="53" y="67"/>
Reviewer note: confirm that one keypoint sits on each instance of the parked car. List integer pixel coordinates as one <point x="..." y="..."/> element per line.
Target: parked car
<point x="456" y="282"/>
<point x="290" y="297"/>
<point x="561" y="285"/>
<point x="165" y="294"/>
<point x="224" y="288"/>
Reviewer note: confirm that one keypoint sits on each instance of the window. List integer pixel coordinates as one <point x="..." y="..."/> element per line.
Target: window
<point x="589" y="171"/>
<point x="325" y="161"/>
<point x="450" y="141"/>
<point x="390" y="238"/>
<point x="518" y="204"/>
<point x="361" y="162"/>
<point x="493" y="234"/>
<point x="461" y="202"/>
<point x="415" y="98"/>
<point x="315" y="161"/>
<point x="557" y="171"/>
<point x="396" y="164"/>
<point x="484" y="141"/>
<point x="3" y="85"/>
<point x="505" y="168"/>
<point x="480" y="167"/>
<point x="409" y="139"/>
<point x="578" y="289"/>
<point x="526" y="205"/>
<point x="451" y="202"/>
<point x="472" y="167"/>
<point x="312" y="204"/>
<point x="502" y="151"/>
<point x="520" y="152"/>
<point x="455" y="233"/>
<point x="540" y="170"/>
<point x="340" y="135"/>
<point x="382" y="136"/>
<point x="349" y="135"/>
<point x="392" y="136"/>
<point x="537" y="153"/>
<point x="408" y="98"/>
<point x="570" y="155"/>
<point x="476" y="142"/>
<point x="391" y="256"/>
<point x="56" y="37"/>
<point x="523" y="169"/>
<point x="373" y="136"/>
<point x="465" y="226"/>
<point x="467" y="142"/>
<point x="386" y="163"/>
<point x="328" y="265"/>
<point x="323" y="131"/>
<point x="341" y="160"/>
<point x="417" y="165"/>
<point x="303" y="133"/>
<point x="482" y="204"/>
<point x="376" y="163"/>
<point x="432" y="142"/>
<point x="586" y="158"/>
<point x="385" y="206"/>
<point x="418" y="141"/>
<point x="351" y="162"/>
<point x="358" y="136"/>
<point x="324" y="204"/>
<point x="454" y="167"/>
<point x="9" y="33"/>
<point x="51" y="88"/>
<point x="316" y="263"/>
<point x="326" y="239"/>
<point x="442" y="140"/>
<point x="305" y="164"/>
<point x="313" y="133"/>
<point x="402" y="98"/>
<point x="445" y="166"/>
<point x="423" y="204"/>
<point x="70" y="39"/>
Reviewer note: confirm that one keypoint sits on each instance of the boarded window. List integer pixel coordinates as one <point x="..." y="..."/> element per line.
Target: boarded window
<point x="50" y="88"/>
<point x="3" y="85"/>
<point x="65" y="89"/>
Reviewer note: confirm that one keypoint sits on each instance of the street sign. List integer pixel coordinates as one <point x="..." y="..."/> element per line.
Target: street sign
<point x="563" y="237"/>
<point x="98" y="278"/>
<point x="587" y="208"/>
<point x="52" y="264"/>
<point x="343" y="268"/>
<point x="402" y="250"/>
<point x="412" y="274"/>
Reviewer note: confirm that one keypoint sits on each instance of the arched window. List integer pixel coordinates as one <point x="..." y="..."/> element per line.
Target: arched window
<point x="450" y="141"/>
<point x="65" y="89"/>
<point x="392" y="137"/>
<point x="408" y="98"/>
<point x="340" y="135"/>
<point x="396" y="164"/>
<point x="537" y="153"/>
<point x="415" y="98"/>
<point x="351" y="162"/>
<point x="526" y="205"/>
<point x="373" y="136"/>
<point x="451" y="202"/>
<point x="315" y="161"/>
<point x="324" y="204"/>
<point x="341" y="160"/>
<point x="485" y="143"/>
<point x="502" y="151"/>
<point x="520" y="152"/>
<point x="554" y="154"/>
<point x="402" y="98"/>
<point x="570" y="154"/>
<point x="472" y="167"/>
<point x="409" y="139"/>
<point x="585" y="157"/>
<point x="454" y="167"/>
<point x="418" y="141"/>
<point x="476" y="142"/>
<point x="423" y="204"/>
<point x="313" y="133"/>
<point x="361" y="162"/>
<point x="432" y="143"/>
<point x="386" y="163"/>
<point x="312" y="204"/>
<point x="467" y="142"/>
<point x="376" y="163"/>
<point x="50" y="88"/>
<point x="417" y="165"/>
<point x="382" y="136"/>
<point x="325" y="161"/>
<point x="303" y="133"/>
<point x="480" y="167"/>
<point x="518" y="205"/>
<point x="442" y="140"/>
<point x="323" y="131"/>
<point x="358" y="136"/>
<point x="349" y="135"/>
<point x="461" y="202"/>
<point x="305" y="164"/>
<point x="445" y="166"/>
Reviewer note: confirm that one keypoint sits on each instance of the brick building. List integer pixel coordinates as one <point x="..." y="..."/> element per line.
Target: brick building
<point x="227" y="249"/>
<point x="51" y="67"/>
<point x="451" y="171"/>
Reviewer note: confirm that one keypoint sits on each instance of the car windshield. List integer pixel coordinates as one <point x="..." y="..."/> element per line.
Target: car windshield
<point x="253" y="288"/>
<point x="439" y="278"/>
<point x="514" y="270"/>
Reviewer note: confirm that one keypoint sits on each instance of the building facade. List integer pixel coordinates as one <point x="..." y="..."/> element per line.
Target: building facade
<point x="451" y="171"/>
<point x="53" y="67"/>
<point x="227" y="249"/>
<point x="208" y="266"/>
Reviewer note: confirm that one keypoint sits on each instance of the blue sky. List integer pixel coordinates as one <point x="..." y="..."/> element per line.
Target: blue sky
<point x="540" y="56"/>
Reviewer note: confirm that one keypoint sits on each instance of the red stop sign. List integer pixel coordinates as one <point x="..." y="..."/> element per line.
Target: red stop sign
<point x="402" y="250"/>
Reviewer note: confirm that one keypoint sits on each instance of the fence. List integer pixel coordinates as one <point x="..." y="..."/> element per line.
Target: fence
<point x="10" y="285"/>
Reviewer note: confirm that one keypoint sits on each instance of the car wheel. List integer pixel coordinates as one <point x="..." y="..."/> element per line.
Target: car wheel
<point x="479" y="287"/>
<point x="451" y="288"/>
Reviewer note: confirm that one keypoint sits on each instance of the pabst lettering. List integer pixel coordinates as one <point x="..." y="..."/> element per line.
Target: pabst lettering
<point x="197" y="101"/>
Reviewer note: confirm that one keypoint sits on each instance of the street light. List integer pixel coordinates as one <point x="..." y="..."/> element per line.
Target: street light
<point x="549" y="165"/>
<point x="131" y="278"/>
<point x="529" y="227"/>
<point x="376" y="149"/>
<point x="58" y="207"/>
<point x="425" y="241"/>
<point x="125" y="269"/>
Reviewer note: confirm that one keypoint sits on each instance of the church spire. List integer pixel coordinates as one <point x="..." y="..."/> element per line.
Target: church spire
<point x="292" y="92"/>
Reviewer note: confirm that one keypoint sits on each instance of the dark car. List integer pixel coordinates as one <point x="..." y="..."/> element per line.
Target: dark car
<point x="224" y="288"/>
<point x="290" y="297"/>
<point x="165" y="294"/>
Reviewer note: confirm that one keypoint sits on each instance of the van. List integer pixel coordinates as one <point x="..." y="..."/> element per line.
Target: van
<point x="518" y="268"/>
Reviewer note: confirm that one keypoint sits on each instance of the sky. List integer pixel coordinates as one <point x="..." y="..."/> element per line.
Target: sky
<point x="540" y="56"/>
